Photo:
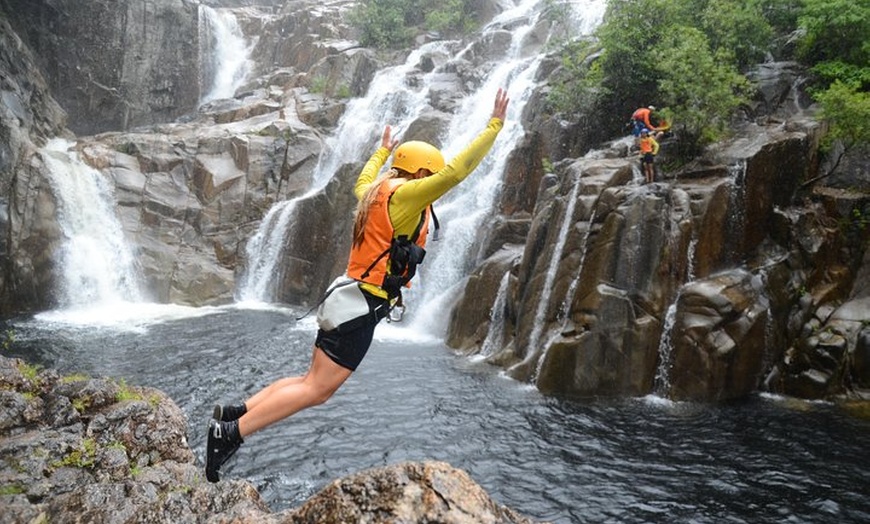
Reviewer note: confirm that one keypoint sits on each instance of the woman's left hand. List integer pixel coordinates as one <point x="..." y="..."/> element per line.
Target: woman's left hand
<point x="387" y="141"/>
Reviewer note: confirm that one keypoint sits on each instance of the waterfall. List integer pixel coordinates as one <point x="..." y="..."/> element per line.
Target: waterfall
<point x="97" y="263"/>
<point x="392" y="100"/>
<point x="463" y="213"/>
<point x="736" y="209"/>
<point x="225" y="53"/>
<point x="662" y="382"/>
<point x="535" y="349"/>
<point x="690" y="257"/>
<point x="388" y="100"/>
<point x="264" y="252"/>
<point x="572" y="289"/>
<point x="495" y="335"/>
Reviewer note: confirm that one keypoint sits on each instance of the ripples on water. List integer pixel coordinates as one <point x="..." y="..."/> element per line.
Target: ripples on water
<point x="767" y="460"/>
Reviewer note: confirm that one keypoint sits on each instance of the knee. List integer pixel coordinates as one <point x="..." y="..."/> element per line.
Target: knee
<point x="320" y="394"/>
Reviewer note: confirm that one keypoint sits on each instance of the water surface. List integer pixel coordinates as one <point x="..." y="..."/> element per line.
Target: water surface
<point x="767" y="460"/>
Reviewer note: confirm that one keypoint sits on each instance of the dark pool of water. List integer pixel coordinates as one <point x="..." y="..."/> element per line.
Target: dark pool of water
<point x="766" y="460"/>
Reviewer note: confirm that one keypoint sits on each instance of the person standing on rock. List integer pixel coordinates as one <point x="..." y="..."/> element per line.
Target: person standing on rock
<point x="649" y="148"/>
<point x="389" y="236"/>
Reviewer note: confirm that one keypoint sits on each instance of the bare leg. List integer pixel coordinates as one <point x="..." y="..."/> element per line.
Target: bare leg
<point x="324" y="377"/>
<point x="264" y="393"/>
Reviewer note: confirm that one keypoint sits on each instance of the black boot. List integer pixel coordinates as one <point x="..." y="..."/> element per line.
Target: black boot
<point x="223" y="441"/>
<point x="230" y="412"/>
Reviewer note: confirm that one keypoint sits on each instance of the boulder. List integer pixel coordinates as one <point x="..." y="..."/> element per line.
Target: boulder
<point x="81" y="449"/>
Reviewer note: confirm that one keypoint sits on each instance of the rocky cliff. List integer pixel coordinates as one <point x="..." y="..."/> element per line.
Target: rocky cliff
<point x="726" y="276"/>
<point x="83" y="449"/>
<point x="114" y="65"/>
<point x="723" y="278"/>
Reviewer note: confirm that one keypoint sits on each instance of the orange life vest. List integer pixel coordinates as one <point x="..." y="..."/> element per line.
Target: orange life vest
<point x="368" y="260"/>
<point x="646" y="145"/>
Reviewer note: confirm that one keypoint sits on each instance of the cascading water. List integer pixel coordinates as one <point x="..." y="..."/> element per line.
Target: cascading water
<point x="495" y="335"/>
<point x="690" y="258"/>
<point x="225" y="53"/>
<point x="546" y="291"/>
<point x="572" y="289"/>
<point x="98" y="265"/>
<point x="662" y="382"/>
<point x="388" y="101"/>
<point x="736" y="208"/>
<point x="463" y="213"/>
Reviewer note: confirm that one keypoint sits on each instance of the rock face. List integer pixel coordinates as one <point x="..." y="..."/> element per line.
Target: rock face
<point x="28" y="114"/>
<point x="81" y="449"/>
<point x="190" y="195"/>
<point x="724" y="277"/>
<point x="406" y="492"/>
<point x="115" y="65"/>
<point x="691" y="287"/>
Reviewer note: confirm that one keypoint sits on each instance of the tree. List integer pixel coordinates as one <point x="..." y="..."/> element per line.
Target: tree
<point x="392" y="23"/>
<point x="836" y="30"/>
<point x="738" y="27"/>
<point x="846" y="109"/>
<point x="837" y="47"/>
<point x="381" y="23"/>
<point x="699" y="85"/>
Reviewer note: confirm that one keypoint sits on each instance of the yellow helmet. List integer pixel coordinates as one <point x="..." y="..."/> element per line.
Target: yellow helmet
<point x="415" y="155"/>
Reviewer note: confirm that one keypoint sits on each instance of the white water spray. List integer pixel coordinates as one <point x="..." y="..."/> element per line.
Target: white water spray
<point x="572" y="289"/>
<point x="462" y="213"/>
<point x="662" y="382"/>
<point x="389" y="101"/>
<point x="535" y="348"/>
<point x="98" y="265"/>
<point x="226" y="53"/>
<point x="495" y="335"/>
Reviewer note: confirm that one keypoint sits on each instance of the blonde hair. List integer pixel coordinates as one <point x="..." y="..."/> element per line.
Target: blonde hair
<point x="365" y="203"/>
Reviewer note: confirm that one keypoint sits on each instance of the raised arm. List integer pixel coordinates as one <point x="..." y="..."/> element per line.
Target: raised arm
<point x="415" y="195"/>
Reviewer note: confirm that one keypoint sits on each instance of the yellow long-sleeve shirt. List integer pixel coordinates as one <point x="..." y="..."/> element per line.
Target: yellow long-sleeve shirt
<point x="412" y="197"/>
<point x="415" y="195"/>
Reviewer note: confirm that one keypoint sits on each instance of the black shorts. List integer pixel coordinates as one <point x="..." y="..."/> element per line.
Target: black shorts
<point x="347" y="349"/>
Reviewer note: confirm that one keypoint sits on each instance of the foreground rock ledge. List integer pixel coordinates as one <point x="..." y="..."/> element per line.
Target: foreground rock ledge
<point x="81" y="449"/>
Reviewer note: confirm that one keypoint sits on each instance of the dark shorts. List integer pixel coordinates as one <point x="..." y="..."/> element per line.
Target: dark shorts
<point x="347" y="349"/>
<point x="648" y="158"/>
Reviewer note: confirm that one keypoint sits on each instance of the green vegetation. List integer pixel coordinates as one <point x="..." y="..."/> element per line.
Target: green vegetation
<point x="318" y="84"/>
<point x="8" y="339"/>
<point x="29" y="371"/>
<point x="126" y="392"/>
<point x="75" y="377"/>
<point x="81" y="404"/>
<point x="683" y="55"/>
<point x="83" y="457"/>
<point x="11" y="489"/>
<point x="393" y="23"/>
<point x="837" y="47"/>
<point x="689" y="57"/>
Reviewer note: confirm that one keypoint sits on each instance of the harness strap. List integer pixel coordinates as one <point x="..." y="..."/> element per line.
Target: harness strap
<point x="324" y="297"/>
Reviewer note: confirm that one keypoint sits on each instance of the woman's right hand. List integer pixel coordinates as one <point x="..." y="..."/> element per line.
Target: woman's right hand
<point x="501" y="102"/>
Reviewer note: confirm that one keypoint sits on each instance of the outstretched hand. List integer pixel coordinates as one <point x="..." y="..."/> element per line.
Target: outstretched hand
<point x="387" y="140"/>
<point x="501" y="103"/>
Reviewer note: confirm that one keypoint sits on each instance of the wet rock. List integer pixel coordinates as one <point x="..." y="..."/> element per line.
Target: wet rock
<point x="406" y="492"/>
<point x="142" y="72"/>
<point x="128" y="461"/>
